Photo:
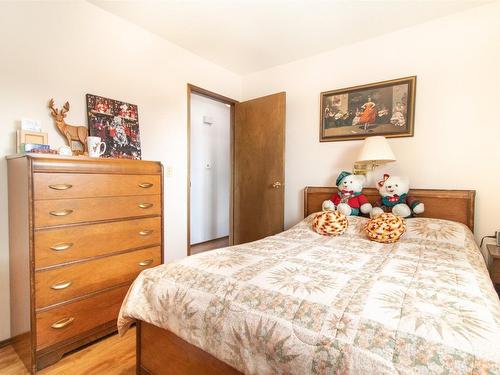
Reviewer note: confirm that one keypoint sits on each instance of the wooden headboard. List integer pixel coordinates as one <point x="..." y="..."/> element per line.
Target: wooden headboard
<point x="456" y="205"/>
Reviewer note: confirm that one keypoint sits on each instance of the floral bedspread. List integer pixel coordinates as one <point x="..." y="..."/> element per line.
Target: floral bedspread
<point x="301" y="303"/>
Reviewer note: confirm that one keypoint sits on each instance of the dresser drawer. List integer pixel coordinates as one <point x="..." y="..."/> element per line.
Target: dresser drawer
<point x="56" y="246"/>
<point x="73" y="185"/>
<point x="75" y="280"/>
<point x="75" y="318"/>
<point x="69" y="211"/>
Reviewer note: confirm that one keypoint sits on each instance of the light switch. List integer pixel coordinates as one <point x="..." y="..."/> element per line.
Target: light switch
<point x="208" y="120"/>
<point x="169" y="171"/>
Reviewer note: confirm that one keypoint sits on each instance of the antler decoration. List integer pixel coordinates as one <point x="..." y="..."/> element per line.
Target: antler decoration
<point x="52" y="108"/>
<point x="65" y="108"/>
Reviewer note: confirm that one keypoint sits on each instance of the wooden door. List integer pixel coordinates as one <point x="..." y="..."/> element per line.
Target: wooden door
<point x="259" y="150"/>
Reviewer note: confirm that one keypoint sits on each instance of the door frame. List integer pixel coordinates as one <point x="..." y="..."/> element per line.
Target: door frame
<point x="192" y="89"/>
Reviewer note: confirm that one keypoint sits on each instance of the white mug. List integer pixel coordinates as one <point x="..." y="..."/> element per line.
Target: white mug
<point x="95" y="147"/>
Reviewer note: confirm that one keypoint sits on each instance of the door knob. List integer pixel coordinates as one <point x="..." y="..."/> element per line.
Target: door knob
<point x="277" y="185"/>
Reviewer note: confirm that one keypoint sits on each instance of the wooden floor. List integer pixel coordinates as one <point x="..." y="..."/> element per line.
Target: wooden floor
<point x="113" y="355"/>
<point x="209" y="245"/>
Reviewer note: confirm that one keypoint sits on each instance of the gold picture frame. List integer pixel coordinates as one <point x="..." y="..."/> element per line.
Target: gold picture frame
<point x="383" y="108"/>
<point x="25" y="136"/>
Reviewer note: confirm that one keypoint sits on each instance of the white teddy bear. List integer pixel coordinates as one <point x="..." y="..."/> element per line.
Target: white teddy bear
<point x="348" y="200"/>
<point x="394" y="198"/>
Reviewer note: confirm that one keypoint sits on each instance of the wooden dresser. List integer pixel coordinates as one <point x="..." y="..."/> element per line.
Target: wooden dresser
<point x="81" y="230"/>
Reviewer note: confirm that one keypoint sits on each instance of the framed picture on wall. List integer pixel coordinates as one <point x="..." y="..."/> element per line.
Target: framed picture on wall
<point x="117" y="123"/>
<point x="383" y="108"/>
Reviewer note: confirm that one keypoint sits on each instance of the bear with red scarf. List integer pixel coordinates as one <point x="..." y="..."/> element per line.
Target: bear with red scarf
<point x="394" y="198"/>
<point x="349" y="199"/>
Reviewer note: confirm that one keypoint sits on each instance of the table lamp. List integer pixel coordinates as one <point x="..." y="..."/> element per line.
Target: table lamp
<point x="374" y="153"/>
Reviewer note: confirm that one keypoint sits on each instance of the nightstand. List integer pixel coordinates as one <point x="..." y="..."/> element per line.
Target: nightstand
<point x="494" y="254"/>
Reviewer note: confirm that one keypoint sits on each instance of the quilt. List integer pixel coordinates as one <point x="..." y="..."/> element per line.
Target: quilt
<point x="302" y="303"/>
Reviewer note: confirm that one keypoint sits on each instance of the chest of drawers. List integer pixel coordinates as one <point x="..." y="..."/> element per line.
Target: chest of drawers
<point x="80" y="231"/>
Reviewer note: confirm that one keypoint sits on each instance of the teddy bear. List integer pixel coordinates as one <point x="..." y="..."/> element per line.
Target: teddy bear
<point x="394" y="198"/>
<point x="348" y="200"/>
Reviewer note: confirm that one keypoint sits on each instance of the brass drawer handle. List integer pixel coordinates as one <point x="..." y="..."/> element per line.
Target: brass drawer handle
<point x="63" y="323"/>
<point x="62" y="246"/>
<point x="146" y="262"/>
<point x="146" y="232"/>
<point x="146" y="205"/>
<point x="63" y="285"/>
<point x="145" y="185"/>
<point x="61" y="213"/>
<point x="61" y="186"/>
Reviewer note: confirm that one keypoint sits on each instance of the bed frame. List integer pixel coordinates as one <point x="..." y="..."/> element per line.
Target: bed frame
<point x="456" y="205"/>
<point x="160" y="352"/>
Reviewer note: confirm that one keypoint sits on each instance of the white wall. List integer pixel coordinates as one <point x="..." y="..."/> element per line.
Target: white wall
<point x="67" y="49"/>
<point x="457" y="130"/>
<point x="210" y="146"/>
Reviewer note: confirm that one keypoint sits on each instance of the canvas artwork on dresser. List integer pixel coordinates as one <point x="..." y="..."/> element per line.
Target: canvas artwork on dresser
<point x="117" y="124"/>
<point x="81" y="230"/>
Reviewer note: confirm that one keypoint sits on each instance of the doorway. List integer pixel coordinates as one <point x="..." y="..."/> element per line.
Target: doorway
<point x="210" y="132"/>
<point x="255" y="166"/>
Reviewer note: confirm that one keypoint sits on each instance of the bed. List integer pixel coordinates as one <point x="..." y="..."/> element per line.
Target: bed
<point x="301" y="303"/>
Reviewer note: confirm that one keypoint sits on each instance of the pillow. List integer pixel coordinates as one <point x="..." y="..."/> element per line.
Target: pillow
<point x="385" y="228"/>
<point x="330" y="223"/>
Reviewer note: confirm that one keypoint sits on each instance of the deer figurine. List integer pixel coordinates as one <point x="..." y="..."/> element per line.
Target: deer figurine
<point x="72" y="133"/>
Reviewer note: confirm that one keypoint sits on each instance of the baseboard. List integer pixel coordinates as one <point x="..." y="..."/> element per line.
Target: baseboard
<point x="6" y="342"/>
<point x="11" y="340"/>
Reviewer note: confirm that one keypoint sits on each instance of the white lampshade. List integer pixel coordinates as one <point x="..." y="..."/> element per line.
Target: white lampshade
<point x="376" y="150"/>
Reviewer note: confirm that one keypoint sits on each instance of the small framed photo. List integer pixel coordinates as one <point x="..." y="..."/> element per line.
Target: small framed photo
<point x="383" y="108"/>
<point x="25" y="136"/>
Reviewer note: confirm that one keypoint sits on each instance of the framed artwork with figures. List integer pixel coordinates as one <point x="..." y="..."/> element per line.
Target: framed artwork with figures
<point x="383" y="108"/>
<point x="117" y="124"/>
